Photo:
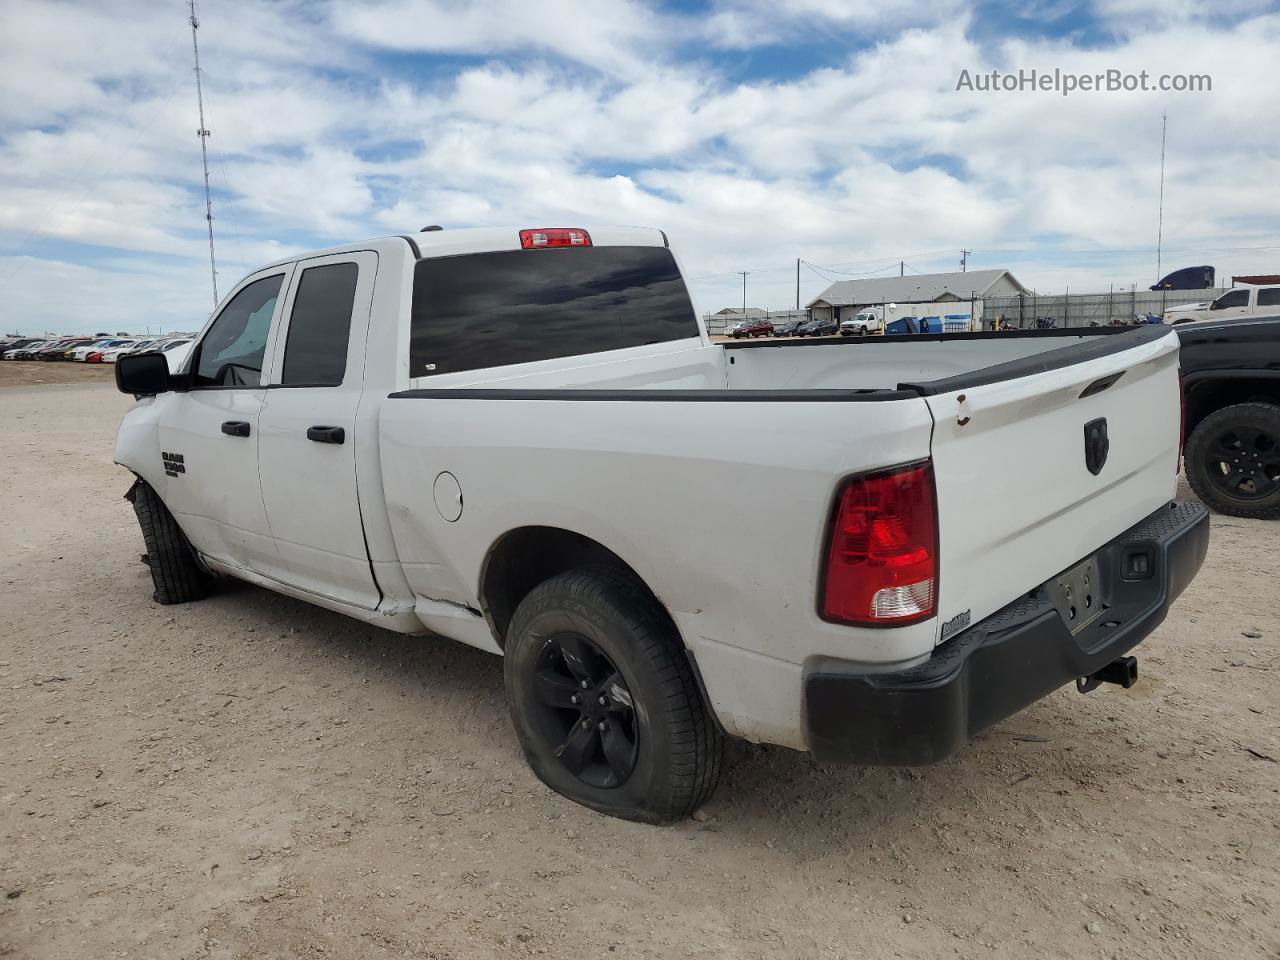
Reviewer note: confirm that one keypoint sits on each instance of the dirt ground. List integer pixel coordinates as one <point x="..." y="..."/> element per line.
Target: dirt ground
<point x="21" y="372"/>
<point x="253" y="777"/>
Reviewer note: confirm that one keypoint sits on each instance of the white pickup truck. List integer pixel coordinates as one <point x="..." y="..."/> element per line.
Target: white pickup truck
<point x="524" y="440"/>
<point x="867" y="321"/>
<point x="1236" y="304"/>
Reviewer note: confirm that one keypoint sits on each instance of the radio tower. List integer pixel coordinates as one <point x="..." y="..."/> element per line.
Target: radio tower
<point x="203" y="134"/>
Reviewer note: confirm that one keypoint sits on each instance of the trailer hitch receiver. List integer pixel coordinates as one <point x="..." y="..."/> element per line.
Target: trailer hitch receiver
<point x="1123" y="671"/>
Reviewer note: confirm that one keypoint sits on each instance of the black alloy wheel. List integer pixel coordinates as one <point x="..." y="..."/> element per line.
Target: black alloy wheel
<point x="584" y="706"/>
<point x="1244" y="462"/>
<point x="1232" y="460"/>
<point x="604" y="701"/>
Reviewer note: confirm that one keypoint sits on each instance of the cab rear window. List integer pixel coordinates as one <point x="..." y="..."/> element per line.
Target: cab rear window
<point x="493" y="309"/>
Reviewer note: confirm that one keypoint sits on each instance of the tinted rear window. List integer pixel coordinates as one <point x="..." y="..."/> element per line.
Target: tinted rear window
<point x="492" y="309"/>
<point x="315" y="353"/>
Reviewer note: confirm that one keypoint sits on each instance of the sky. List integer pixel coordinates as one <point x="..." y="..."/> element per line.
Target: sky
<point x="754" y="132"/>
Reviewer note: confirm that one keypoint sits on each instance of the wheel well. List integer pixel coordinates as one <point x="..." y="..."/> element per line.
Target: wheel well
<point x="523" y="558"/>
<point x="1206" y="397"/>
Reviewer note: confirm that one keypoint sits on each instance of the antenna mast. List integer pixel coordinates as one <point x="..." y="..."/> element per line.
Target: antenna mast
<point x="203" y="134"/>
<point x="1164" y="124"/>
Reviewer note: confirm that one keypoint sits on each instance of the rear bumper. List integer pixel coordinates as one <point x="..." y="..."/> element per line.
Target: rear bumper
<point x="1005" y="662"/>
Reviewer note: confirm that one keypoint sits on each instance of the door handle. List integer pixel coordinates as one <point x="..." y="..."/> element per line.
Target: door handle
<point x="326" y="434"/>
<point x="235" y="428"/>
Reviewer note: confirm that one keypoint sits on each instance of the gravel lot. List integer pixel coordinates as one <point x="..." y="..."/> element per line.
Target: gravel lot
<point x="250" y="776"/>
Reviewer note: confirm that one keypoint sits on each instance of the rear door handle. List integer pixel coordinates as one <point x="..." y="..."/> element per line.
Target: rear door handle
<point x="235" y="428"/>
<point x="326" y="434"/>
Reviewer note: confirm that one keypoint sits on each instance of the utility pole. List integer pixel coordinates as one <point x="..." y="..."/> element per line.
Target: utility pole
<point x="203" y="134"/>
<point x="964" y="259"/>
<point x="744" y="293"/>
<point x="902" y="266"/>
<point x="797" y="284"/>
<point x="1164" y="123"/>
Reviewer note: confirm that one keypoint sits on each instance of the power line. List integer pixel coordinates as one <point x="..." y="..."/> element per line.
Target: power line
<point x="203" y="134"/>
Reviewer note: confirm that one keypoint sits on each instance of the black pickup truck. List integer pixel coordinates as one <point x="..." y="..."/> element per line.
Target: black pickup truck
<point x="1231" y="398"/>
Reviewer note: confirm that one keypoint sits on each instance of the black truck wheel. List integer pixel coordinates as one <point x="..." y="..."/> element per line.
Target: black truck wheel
<point x="1232" y="460"/>
<point x="604" y="700"/>
<point x="177" y="576"/>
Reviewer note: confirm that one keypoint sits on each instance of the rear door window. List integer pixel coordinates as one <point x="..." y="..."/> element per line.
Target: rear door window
<point x="493" y="309"/>
<point x="315" y="353"/>
<point x="1269" y="297"/>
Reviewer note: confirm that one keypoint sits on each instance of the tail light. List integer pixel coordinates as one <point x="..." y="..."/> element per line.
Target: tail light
<point x="554" y="237"/>
<point x="882" y="558"/>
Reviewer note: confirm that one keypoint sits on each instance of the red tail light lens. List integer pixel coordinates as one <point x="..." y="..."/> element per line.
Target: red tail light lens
<point x="554" y="237"/>
<point x="882" y="560"/>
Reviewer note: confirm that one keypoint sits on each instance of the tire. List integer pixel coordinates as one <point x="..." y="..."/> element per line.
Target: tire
<point x="177" y="576"/>
<point x="667" y="748"/>
<point x="1232" y="460"/>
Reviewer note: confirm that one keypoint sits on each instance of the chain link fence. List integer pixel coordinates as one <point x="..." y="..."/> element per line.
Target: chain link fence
<point x="1085" y="309"/>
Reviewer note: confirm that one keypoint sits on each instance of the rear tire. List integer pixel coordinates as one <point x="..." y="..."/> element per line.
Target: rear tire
<point x="178" y="578"/>
<point x="1232" y="460"/>
<point x="604" y="700"/>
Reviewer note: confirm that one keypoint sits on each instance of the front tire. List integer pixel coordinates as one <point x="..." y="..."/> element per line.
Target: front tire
<point x="604" y="700"/>
<point x="178" y="578"/>
<point x="1232" y="460"/>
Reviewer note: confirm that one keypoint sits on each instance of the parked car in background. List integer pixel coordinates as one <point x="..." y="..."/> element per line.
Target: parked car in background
<point x="7" y="350"/>
<point x="817" y="328"/>
<point x="81" y="352"/>
<point x="862" y="324"/>
<point x="175" y="353"/>
<point x="787" y="328"/>
<point x="1231" y="399"/>
<point x="27" y="351"/>
<point x="111" y="354"/>
<point x="1235" y="304"/>
<point x="758" y="327"/>
<point x="56" y="349"/>
<point x="909" y="592"/>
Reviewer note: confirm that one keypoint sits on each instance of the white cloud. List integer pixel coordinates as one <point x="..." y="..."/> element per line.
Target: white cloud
<point x="751" y="24"/>
<point x="613" y="36"/>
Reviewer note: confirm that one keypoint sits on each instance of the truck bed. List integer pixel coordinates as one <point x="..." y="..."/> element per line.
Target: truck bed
<point x="879" y="368"/>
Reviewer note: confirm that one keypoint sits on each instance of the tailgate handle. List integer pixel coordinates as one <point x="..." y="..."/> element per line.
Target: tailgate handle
<point x="326" y="434"/>
<point x="235" y="428"/>
<point x="1100" y="384"/>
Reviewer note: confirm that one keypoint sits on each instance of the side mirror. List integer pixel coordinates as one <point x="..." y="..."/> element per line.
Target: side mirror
<point x="143" y="373"/>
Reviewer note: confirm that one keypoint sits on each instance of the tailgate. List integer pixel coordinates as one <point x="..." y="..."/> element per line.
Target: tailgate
<point x="1018" y="496"/>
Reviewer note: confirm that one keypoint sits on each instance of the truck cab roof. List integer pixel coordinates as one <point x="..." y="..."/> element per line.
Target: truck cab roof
<point x="452" y="243"/>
